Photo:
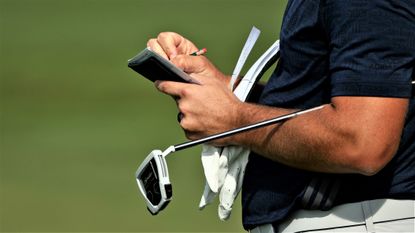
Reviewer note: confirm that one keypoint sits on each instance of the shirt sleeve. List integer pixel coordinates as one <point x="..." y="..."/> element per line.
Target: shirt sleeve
<point x="372" y="47"/>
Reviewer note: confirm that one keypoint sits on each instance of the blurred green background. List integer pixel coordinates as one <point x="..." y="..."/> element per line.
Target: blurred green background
<point x="75" y="122"/>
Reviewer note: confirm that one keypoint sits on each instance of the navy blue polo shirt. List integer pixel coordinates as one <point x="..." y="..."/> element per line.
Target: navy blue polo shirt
<point x="336" y="48"/>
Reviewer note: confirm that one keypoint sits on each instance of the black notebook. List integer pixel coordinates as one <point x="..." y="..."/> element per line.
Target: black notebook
<point x="155" y="67"/>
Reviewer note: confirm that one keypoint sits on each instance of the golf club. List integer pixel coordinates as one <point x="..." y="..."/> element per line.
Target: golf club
<point x="153" y="176"/>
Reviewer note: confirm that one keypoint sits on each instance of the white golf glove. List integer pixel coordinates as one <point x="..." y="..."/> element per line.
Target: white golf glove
<point x="224" y="176"/>
<point x="224" y="168"/>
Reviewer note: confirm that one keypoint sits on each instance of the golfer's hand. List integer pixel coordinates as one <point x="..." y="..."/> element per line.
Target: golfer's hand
<point x="207" y="109"/>
<point x="177" y="49"/>
<point x="171" y="44"/>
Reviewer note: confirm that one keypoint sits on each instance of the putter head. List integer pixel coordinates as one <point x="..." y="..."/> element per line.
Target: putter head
<point x="153" y="182"/>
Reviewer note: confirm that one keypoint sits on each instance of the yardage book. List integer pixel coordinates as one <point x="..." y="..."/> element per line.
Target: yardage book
<point x="155" y="67"/>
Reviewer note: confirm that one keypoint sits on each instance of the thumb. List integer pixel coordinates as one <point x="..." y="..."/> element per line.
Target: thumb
<point x="207" y="197"/>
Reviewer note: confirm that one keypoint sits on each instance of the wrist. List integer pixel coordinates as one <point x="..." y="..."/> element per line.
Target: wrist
<point x="239" y="119"/>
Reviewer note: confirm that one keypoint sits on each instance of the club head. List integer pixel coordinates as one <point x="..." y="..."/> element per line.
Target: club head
<point x="153" y="182"/>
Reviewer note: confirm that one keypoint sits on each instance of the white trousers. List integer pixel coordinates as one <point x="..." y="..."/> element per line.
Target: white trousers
<point x="383" y="215"/>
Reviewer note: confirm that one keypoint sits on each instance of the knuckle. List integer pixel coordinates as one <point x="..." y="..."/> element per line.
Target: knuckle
<point x="183" y="107"/>
<point x="185" y="92"/>
<point x="184" y="124"/>
<point x="161" y="35"/>
<point x="164" y="35"/>
<point x="151" y="42"/>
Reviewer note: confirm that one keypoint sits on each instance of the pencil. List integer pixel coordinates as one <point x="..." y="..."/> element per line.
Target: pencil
<point x="200" y="52"/>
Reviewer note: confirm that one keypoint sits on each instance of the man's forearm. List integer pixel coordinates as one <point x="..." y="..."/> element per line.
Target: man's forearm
<point x="293" y="142"/>
<point x="327" y="140"/>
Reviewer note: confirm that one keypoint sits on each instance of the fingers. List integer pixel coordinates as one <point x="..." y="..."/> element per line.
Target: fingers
<point x="169" y="41"/>
<point x="175" y="89"/>
<point x="191" y="64"/>
<point x="166" y="44"/>
<point x="178" y="91"/>
<point x="171" y="44"/>
<point x="227" y="196"/>
<point x="155" y="47"/>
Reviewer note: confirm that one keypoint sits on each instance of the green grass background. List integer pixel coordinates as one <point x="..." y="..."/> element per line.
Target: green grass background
<point x="75" y="122"/>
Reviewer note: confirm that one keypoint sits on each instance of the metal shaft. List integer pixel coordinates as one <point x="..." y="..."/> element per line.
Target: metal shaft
<point x="243" y="129"/>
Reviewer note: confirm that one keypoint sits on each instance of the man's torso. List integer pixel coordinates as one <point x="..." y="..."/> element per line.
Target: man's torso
<point x="315" y="67"/>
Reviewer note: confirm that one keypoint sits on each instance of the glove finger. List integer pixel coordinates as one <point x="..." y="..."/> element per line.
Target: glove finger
<point x="226" y="159"/>
<point x="210" y="162"/>
<point x="223" y="167"/>
<point x="207" y="197"/>
<point x="228" y="193"/>
<point x="231" y="156"/>
<point x="243" y="161"/>
<point x="232" y="184"/>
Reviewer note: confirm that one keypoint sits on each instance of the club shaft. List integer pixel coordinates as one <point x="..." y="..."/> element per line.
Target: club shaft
<point x="243" y="129"/>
